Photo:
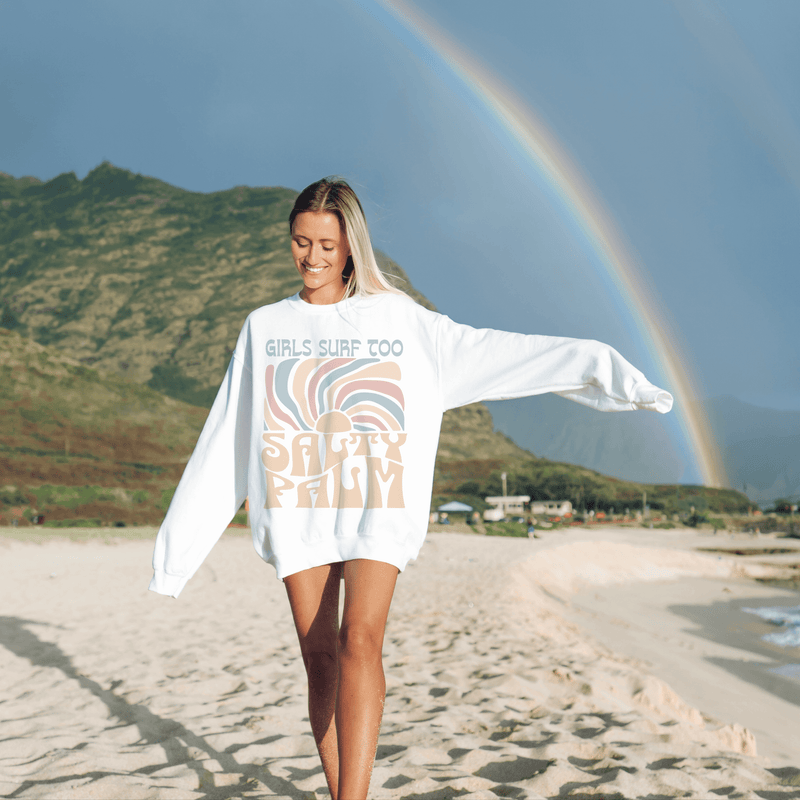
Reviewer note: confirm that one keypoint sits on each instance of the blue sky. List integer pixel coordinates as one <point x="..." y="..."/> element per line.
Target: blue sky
<point x="684" y="116"/>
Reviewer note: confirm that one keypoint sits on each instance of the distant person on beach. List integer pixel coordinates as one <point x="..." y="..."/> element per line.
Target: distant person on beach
<point x="328" y="420"/>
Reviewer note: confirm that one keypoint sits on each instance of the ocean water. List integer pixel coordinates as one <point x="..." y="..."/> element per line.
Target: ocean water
<point x="788" y="671"/>
<point x="786" y="619"/>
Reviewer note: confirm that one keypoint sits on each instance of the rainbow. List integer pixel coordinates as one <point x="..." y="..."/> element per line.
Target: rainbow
<point x="580" y="200"/>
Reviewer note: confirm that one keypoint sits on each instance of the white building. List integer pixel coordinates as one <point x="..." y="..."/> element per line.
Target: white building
<point x="505" y="507"/>
<point x="551" y="508"/>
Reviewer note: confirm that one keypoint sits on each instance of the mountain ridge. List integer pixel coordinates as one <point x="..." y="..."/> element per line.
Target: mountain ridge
<point x="760" y="447"/>
<point x="151" y="283"/>
<point x="141" y="278"/>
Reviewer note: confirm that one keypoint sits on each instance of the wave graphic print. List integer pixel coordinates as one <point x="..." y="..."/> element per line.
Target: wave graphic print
<point x="334" y="395"/>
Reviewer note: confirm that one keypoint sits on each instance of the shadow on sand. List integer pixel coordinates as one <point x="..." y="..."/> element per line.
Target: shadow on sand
<point x="172" y="736"/>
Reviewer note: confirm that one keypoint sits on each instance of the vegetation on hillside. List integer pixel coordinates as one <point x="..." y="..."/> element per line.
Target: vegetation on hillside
<point x="92" y="448"/>
<point x="140" y="278"/>
<point x="472" y="480"/>
<point x="79" y="444"/>
<point x="120" y="301"/>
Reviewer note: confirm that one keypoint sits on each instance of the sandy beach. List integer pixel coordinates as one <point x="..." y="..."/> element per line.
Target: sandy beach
<point x="608" y="664"/>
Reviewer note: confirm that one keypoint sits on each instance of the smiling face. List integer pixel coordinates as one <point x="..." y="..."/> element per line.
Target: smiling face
<point x="320" y="251"/>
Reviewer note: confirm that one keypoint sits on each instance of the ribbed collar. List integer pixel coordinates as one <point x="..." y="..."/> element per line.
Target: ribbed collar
<point x="355" y="303"/>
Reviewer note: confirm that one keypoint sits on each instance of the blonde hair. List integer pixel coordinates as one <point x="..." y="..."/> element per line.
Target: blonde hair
<point x="361" y="274"/>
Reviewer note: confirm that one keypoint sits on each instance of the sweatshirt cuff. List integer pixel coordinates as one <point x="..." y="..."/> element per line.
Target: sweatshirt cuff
<point x="647" y="396"/>
<point x="170" y="585"/>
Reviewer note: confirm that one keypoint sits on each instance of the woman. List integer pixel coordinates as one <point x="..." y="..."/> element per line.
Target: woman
<point x="328" y="419"/>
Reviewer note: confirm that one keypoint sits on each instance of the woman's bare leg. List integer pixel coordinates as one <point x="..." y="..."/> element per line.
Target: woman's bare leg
<point x="369" y="586"/>
<point x="314" y="598"/>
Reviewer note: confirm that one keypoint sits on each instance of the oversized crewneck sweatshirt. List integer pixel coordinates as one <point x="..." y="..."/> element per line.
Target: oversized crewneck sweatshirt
<point x="328" y="419"/>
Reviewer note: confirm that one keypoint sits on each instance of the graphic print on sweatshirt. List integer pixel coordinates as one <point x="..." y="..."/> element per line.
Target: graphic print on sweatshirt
<point x="334" y="428"/>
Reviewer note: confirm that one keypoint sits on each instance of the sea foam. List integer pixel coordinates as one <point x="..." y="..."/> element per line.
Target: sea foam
<point x="787" y="617"/>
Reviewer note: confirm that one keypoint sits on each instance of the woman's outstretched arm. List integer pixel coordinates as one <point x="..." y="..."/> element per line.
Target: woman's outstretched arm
<point x="484" y="364"/>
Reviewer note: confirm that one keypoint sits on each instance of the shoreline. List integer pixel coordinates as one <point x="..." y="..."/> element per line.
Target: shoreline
<point x="492" y="688"/>
<point x="693" y="635"/>
<point x="711" y="667"/>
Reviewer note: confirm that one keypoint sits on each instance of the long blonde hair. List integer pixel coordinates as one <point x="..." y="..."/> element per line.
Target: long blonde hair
<point x="361" y="274"/>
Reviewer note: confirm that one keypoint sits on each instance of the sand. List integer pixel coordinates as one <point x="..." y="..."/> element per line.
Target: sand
<point x="506" y="677"/>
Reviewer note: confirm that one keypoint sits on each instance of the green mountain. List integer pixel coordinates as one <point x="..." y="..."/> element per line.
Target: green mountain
<point x="139" y="278"/>
<point x="121" y="298"/>
<point x="78" y="443"/>
<point x="142" y="288"/>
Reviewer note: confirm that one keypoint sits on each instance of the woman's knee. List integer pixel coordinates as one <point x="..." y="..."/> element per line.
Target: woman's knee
<point x="322" y="667"/>
<point x="360" y="640"/>
<point x="319" y="652"/>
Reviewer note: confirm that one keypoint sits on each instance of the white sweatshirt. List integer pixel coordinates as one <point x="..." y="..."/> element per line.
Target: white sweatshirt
<point x="328" y="420"/>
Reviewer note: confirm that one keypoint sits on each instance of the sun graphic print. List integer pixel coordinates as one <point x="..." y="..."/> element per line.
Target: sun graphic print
<point x="333" y="429"/>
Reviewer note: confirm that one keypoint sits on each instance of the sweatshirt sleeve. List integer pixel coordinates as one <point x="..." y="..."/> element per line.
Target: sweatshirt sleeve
<point x="212" y="488"/>
<point x="484" y="364"/>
